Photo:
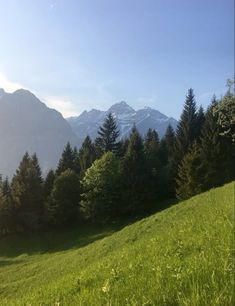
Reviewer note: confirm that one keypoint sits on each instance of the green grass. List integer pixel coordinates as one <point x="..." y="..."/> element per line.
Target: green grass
<point x="180" y="256"/>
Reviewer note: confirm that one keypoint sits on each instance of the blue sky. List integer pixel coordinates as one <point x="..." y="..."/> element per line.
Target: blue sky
<point x="83" y="54"/>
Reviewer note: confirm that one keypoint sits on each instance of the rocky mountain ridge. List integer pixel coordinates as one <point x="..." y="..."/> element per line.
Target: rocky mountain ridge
<point x="89" y="122"/>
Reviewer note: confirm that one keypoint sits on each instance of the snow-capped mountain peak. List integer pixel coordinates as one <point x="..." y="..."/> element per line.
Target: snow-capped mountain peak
<point x="121" y="108"/>
<point x="89" y="122"/>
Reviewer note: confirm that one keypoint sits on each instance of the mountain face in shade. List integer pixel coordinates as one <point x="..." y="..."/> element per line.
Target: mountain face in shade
<point x="88" y="123"/>
<point x="27" y="124"/>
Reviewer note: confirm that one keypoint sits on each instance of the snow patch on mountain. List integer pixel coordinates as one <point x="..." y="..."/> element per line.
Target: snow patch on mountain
<point x="89" y="122"/>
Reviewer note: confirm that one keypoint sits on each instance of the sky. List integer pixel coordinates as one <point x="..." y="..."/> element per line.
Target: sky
<point x="77" y="55"/>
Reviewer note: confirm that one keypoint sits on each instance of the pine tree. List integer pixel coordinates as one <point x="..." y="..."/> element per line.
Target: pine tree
<point x="122" y="147"/>
<point x="86" y="155"/>
<point x="153" y="166"/>
<point x="151" y="137"/>
<point x="27" y="193"/>
<point x="6" y="189"/>
<point x="209" y="162"/>
<point x="107" y="136"/>
<point x="151" y="144"/>
<point x="186" y="129"/>
<point x="212" y="151"/>
<point x="36" y="166"/>
<point x="20" y="185"/>
<point x="134" y="175"/>
<point x="167" y="159"/>
<point x="199" y="121"/>
<point x="162" y="152"/>
<point x="217" y="151"/>
<point x="76" y="163"/>
<point x="67" y="160"/>
<point x="189" y="175"/>
<point x="170" y="141"/>
<point x="167" y="146"/>
<point x="48" y="183"/>
<point x="199" y="168"/>
<point x="191" y="170"/>
<point x="37" y="184"/>
<point x="6" y="208"/>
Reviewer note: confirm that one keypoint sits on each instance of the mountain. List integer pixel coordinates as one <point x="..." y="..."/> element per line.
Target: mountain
<point x="27" y="124"/>
<point x="88" y="123"/>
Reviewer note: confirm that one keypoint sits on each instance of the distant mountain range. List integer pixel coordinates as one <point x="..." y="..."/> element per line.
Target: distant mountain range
<point x="27" y="124"/>
<point x="89" y="122"/>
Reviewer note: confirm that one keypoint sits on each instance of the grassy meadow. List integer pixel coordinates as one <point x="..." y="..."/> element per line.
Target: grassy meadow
<point x="180" y="256"/>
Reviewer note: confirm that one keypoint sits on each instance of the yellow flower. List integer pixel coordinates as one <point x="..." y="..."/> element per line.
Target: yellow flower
<point x="106" y="287"/>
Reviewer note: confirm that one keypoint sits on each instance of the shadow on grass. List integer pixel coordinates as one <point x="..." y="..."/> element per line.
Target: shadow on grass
<point x="6" y="262"/>
<point x="62" y="239"/>
<point x="52" y="240"/>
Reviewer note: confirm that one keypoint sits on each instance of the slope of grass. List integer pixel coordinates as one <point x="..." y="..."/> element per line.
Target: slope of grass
<point x="180" y="256"/>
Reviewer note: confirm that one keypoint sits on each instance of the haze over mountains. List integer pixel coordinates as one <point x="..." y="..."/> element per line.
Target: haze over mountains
<point x="27" y="124"/>
<point x="88" y="122"/>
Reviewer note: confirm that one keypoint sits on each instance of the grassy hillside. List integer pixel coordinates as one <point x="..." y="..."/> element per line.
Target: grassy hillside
<point x="180" y="256"/>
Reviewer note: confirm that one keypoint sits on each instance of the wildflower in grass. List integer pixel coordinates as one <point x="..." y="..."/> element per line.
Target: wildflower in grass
<point x="106" y="287"/>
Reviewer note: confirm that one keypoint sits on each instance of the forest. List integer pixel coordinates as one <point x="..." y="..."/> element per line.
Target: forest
<point x="110" y="179"/>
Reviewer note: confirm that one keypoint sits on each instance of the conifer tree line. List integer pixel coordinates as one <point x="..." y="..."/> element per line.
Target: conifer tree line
<point x="110" y="178"/>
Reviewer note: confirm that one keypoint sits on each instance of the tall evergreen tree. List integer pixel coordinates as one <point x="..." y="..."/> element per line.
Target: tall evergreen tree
<point x="199" y="121"/>
<point x="122" y="147"/>
<point x="7" y="212"/>
<point x="191" y="171"/>
<point x="67" y="160"/>
<point x="76" y="163"/>
<point x="167" y="159"/>
<point x="151" y="138"/>
<point x="167" y="146"/>
<point x="27" y="193"/>
<point x="151" y="144"/>
<point x="37" y="182"/>
<point x="186" y="129"/>
<point x="209" y="163"/>
<point x="217" y="151"/>
<point x="153" y="166"/>
<point x="212" y="151"/>
<point x="170" y="141"/>
<point x="86" y="155"/>
<point x="48" y="183"/>
<point x="107" y="136"/>
<point x="151" y="147"/>
<point x="134" y="175"/>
